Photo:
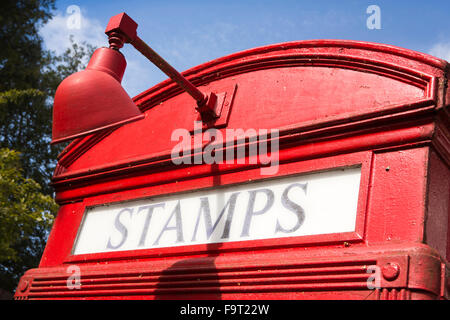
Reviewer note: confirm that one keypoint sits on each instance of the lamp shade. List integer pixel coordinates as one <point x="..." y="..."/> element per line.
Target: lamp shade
<point x="93" y="99"/>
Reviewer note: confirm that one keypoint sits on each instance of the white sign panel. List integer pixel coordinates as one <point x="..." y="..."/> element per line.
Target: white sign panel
<point x="318" y="203"/>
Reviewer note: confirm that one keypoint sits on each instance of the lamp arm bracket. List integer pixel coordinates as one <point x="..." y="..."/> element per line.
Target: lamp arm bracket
<point x="122" y="29"/>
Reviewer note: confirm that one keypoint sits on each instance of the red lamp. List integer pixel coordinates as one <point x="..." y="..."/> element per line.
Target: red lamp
<point x="93" y="99"/>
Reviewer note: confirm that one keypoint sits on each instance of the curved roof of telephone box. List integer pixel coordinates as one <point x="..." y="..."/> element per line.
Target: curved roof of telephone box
<point x="398" y="62"/>
<point x="224" y="62"/>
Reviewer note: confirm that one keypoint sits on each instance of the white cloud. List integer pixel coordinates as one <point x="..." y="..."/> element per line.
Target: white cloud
<point x="56" y="33"/>
<point x="441" y="50"/>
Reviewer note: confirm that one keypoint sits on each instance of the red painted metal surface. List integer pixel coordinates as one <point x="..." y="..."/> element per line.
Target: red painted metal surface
<point x="337" y="104"/>
<point x="93" y="99"/>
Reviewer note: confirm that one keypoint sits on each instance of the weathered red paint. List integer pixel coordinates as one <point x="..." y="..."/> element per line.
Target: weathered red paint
<point x="337" y="103"/>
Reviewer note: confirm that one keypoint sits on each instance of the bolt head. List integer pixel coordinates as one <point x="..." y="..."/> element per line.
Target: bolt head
<point x="390" y="271"/>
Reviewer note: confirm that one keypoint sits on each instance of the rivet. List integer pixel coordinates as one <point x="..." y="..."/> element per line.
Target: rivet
<point x="390" y="271"/>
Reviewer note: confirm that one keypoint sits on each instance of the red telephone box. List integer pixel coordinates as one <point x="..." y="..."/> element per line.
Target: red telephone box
<point x="349" y="201"/>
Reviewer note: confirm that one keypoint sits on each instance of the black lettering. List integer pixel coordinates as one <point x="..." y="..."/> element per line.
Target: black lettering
<point x="251" y="208"/>
<point x="147" y="220"/>
<point x="178" y="225"/>
<point x="204" y="208"/>
<point x="292" y="206"/>
<point x="232" y="204"/>
<point x="121" y="228"/>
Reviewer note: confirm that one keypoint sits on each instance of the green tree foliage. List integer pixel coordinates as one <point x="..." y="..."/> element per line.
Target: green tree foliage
<point x="25" y="216"/>
<point x="21" y="45"/>
<point x="22" y="89"/>
<point x="29" y="76"/>
<point x="26" y="113"/>
<point x="24" y="118"/>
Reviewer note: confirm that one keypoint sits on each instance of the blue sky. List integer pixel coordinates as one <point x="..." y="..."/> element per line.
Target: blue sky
<point x="188" y="33"/>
